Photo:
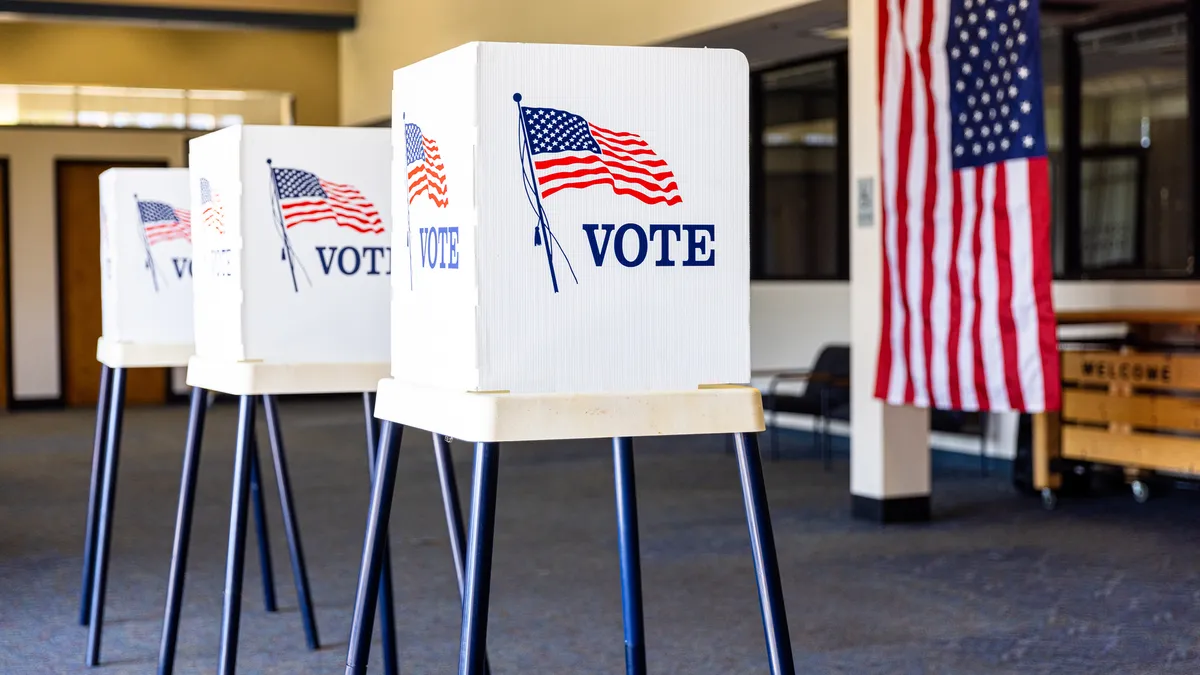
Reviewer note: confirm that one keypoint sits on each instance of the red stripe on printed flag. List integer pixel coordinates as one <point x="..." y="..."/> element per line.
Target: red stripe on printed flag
<point x="170" y="230"/>
<point x="344" y="205"/>
<point x="429" y="176"/>
<point x="626" y="163"/>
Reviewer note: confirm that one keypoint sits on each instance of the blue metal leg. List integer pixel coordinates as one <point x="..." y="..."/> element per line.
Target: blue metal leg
<point x="183" y="532"/>
<point x="631" y="565"/>
<point x="260" y="528"/>
<point x="454" y="519"/>
<point x="231" y="612"/>
<point x="93" y="512"/>
<point x="766" y="564"/>
<point x="108" y="494"/>
<point x="291" y="527"/>
<point x="373" y="549"/>
<point x="387" y="608"/>
<point x="473" y="640"/>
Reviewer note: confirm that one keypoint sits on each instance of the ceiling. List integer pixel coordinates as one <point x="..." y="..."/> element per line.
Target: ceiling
<point x="819" y="28"/>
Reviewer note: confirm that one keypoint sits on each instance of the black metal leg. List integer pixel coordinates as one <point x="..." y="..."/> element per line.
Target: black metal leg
<point x="93" y="512"/>
<point x="454" y="519"/>
<point x="183" y="532"/>
<point x="108" y="493"/>
<point x="373" y="548"/>
<point x="766" y="564"/>
<point x="473" y="640"/>
<point x="291" y="527"/>
<point x="231" y="612"/>
<point x="387" y="608"/>
<point x="260" y="527"/>
<point x="631" y="560"/>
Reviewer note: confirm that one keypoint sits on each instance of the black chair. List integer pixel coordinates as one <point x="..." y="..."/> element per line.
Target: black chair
<point x="826" y="396"/>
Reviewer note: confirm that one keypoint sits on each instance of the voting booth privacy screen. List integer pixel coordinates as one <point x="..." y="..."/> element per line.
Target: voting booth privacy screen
<point x="292" y="244"/>
<point x="571" y="219"/>
<point x="146" y="256"/>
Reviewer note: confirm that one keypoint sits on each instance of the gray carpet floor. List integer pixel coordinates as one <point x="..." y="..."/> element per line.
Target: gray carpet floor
<point x="993" y="585"/>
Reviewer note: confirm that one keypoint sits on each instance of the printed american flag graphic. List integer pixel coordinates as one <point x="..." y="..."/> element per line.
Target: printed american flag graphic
<point x="428" y="176"/>
<point x="162" y="222"/>
<point x="305" y="197"/>
<point x="213" y="213"/>
<point x="570" y="152"/>
<point x="967" y="321"/>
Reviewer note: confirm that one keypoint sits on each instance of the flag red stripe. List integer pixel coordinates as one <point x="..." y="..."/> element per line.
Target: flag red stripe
<point x="1008" y="328"/>
<point x="607" y="180"/>
<point x="602" y="159"/>
<point x="1043" y="274"/>
<point x="601" y="170"/>
<point x="954" y="341"/>
<point x="981" y="392"/>
<point x="929" y="231"/>
<point x="905" y="153"/>
<point x="884" y="366"/>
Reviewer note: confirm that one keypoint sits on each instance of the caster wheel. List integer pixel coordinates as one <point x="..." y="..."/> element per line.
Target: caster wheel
<point x="1049" y="499"/>
<point x="1141" y="491"/>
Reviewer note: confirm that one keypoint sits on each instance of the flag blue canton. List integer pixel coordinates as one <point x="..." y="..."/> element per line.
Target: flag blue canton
<point x="995" y="64"/>
<point x="205" y="191"/>
<point x="552" y="130"/>
<point x="156" y="212"/>
<point x="414" y="144"/>
<point x="296" y="183"/>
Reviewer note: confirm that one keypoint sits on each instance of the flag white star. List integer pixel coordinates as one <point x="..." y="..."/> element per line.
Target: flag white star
<point x="1015" y="126"/>
<point x="978" y="115"/>
<point x="1023" y="73"/>
<point x="958" y="21"/>
<point x="1004" y="110"/>
<point x="1003" y="29"/>
<point x="1024" y="4"/>
<point x="962" y="118"/>
<point x="977" y="148"/>
<point x="972" y="18"/>
<point x="960" y="86"/>
<point x="1028" y="141"/>
<point x="1003" y="62"/>
<point x="958" y="150"/>
<point x="955" y="52"/>
<point x="971" y="101"/>
<point x="985" y="132"/>
<point x="986" y="98"/>
<point x="974" y="50"/>
<point x="1021" y="38"/>
<point x="1016" y="23"/>
<point x="966" y="68"/>
<point x="1004" y="144"/>
<point x="983" y="33"/>
<point x="968" y="133"/>
<point x="1012" y="9"/>
<point x="991" y="146"/>
<point x="1026" y="107"/>
<point x="991" y="15"/>
<point x="1012" y="91"/>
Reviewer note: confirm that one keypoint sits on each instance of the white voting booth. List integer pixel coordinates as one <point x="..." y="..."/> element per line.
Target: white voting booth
<point x="146" y="268"/>
<point x="292" y="259"/>
<point x="577" y="231"/>
<point x="575" y="254"/>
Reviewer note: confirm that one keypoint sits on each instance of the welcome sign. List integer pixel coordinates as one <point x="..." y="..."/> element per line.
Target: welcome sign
<point x="576" y="219"/>
<point x="146" y="256"/>
<point x="292" y="244"/>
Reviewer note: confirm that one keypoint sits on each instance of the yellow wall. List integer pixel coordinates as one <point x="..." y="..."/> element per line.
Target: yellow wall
<point x="301" y="63"/>
<point x="395" y="33"/>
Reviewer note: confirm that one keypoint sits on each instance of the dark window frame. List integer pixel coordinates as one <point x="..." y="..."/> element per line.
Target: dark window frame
<point x="758" y="178"/>
<point x="1074" y="154"/>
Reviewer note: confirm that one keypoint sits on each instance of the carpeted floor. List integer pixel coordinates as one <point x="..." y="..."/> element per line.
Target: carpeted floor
<point x="994" y="585"/>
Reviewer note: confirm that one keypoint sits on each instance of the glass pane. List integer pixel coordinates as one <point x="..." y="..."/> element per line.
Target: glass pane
<point x="1136" y="191"/>
<point x="1052" y="101"/>
<point x="800" y="139"/>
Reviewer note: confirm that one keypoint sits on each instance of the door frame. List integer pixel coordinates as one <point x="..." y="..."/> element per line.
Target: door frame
<point x="6" y="237"/>
<point x="60" y="296"/>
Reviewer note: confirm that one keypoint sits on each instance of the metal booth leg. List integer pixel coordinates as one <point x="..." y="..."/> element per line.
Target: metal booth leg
<point x="387" y="608"/>
<point x="473" y="640"/>
<point x="290" y="526"/>
<point x="373" y="548"/>
<point x="183" y="531"/>
<point x="108" y="493"/>
<point x="454" y="519"/>
<point x="231" y="612"/>
<point x="93" y="512"/>
<point x="766" y="564"/>
<point x="631" y="569"/>
<point x="260" y="527"/>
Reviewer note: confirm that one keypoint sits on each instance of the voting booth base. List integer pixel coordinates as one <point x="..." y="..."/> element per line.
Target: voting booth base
<point x="488" y="419"/>
<point x="250" y="381"/>
<point x="115" y="358"/>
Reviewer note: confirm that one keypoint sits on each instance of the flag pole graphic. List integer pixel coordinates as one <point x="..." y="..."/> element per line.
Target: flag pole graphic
<point x="146" y="243"/>
<point x="407" y="207"/>
<point x="287" y="253"/>
<point x="543" y="225"/>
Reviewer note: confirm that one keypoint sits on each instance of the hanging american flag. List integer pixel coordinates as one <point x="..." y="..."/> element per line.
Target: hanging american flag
<point x="968" y="322"/>
<point x="305" y="197"/>
<point x="162" y="222"/>
<point x="428" y="176"/>
<point x="570" y="152"/>
<point x="212" y="214"/>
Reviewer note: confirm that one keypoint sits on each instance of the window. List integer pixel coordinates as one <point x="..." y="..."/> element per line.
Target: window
<point x="800" y="220"/>
<point x="1128" y="179"/>
<point x="127" y="107"/>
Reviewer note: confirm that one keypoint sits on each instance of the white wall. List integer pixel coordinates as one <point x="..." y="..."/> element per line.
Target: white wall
<point x="33" y="256"/>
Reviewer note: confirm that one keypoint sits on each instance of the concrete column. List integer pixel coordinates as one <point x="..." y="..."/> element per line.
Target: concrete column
<point x="889" y="446"/>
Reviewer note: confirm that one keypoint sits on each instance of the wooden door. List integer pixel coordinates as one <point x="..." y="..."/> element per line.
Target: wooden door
<point x="78" y="186"/>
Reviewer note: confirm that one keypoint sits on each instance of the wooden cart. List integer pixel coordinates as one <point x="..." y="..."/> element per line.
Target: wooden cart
<point x="1134" y="408"/>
